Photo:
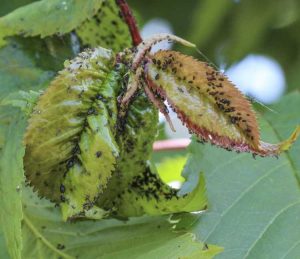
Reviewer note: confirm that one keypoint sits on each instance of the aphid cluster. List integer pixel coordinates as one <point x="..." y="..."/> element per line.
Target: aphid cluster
<point x="91" y="133"/>
<point x="203" y="98"/>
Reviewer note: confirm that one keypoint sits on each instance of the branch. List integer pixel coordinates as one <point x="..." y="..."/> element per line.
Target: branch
<point x="171" y="145"/>
<point x="130" y="21"/>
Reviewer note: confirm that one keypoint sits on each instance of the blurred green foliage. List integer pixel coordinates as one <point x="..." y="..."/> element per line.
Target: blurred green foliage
<point x="226" y="30"/>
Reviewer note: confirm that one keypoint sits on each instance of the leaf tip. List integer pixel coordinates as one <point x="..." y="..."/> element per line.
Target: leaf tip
<point x="276" y="149"/>
<point x="286" y="145"/>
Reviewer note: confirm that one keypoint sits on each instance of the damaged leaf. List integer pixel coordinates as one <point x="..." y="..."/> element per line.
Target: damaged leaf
<point x="70" y="149"/>
<point x="209" y="104"/>
<point x="105" y="29"/>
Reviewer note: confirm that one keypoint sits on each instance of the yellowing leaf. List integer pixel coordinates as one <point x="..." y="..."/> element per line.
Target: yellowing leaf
<point x="209" y="104"/>
<point x="70" y="148"/>
<point x="170" y="169"/>
<point x="149" y="195"/>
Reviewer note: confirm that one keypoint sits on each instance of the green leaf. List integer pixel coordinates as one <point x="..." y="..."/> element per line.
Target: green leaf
<point x="106" y="29"/>
<point x="207" y="18"/>
<point x="21" y="99"/>
<point x="169" y="169"/>
<point x="136" y="188"/>
<point x="209" y="104"/>
<point x="135" y="135"/>
<point x="46" y="235"/>
<point x="149" y="195"/>
<point x="253" y="204"/>
<point x="283" y="121"/>
<point x="18" y="71"/>
<point x="11" y="179"/>
<point x="54" y="17"/>
<point x="3" y="248"/>
<point x="245" y="36"/>
<point x="81" y="150"/>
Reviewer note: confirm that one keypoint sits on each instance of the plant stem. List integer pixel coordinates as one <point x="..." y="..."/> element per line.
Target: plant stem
<point x="130" y="21"/>
<point x="125" y="11"/>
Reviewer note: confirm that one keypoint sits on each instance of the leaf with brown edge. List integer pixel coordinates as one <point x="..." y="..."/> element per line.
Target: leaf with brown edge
<point x="209" y="104"/>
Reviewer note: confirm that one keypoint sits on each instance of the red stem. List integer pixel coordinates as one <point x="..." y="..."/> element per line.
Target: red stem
<point x="130" y="21"/>
<point x="125" y="11"/>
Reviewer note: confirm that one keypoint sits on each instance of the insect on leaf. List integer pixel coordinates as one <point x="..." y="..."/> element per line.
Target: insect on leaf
<point x="47" y="235"/>
<point x="209" y="104"/>
<point x="70" y="149"/>
<point x="105" y="29"/>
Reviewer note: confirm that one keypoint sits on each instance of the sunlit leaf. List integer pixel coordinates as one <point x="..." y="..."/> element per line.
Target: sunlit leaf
<point x="70" y="149"/>
<point x="209" y="104"/>
<point x="151" y="196"/>
<point x="170" y="168"/>
<point x="54" y="17"/>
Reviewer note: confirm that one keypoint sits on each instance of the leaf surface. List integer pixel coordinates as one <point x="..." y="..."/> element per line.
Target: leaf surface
<point x="54" y="17"/>
<point x="11" y="179"/>
<point x="106" y="29"/>
<point x="71" y="122"/>
<point x="48" y="236"/>
<point x="17" y="71"/>
<point x="252" y="203"/>
<point x="136" y="188"/>
<point x="209" y="104"/>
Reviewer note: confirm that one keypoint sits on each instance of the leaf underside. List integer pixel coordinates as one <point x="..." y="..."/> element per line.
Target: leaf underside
<point x="209" y="104"/>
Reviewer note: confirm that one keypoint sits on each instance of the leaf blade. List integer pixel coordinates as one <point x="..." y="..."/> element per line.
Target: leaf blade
<point x="54" y="17"/>
<point x="248" y="197"/>
<point x="209" y="104"/>
<point x="11" y="178"/>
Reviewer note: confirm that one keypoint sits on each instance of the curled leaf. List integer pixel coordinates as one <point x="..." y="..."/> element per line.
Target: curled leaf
<point x="70" y="147"/>
<point x="150" y="195"/>
<point x="209" y="104"/>
<point x="135" y="188"/>
<point x="136" y="132"/>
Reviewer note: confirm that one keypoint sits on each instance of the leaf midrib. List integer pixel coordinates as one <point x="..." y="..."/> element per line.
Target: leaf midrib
<point x="43" y="239"/>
